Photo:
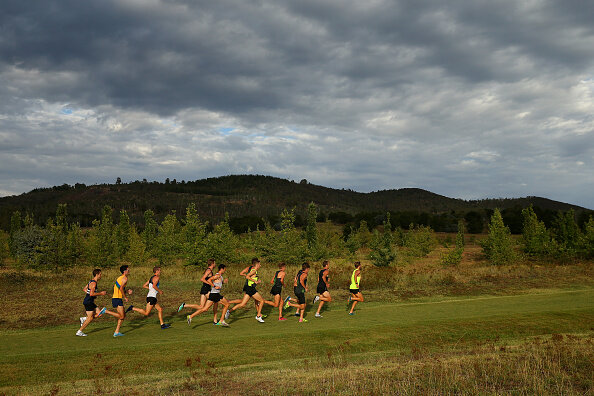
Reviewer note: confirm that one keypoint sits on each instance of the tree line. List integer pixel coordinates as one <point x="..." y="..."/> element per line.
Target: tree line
<point x="193" y="240"/>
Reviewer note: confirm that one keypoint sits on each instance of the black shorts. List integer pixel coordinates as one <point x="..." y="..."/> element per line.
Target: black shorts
<point x="300" y="298"/>
<point x="89" y="305"/>
<point x="276" y="290"/>
<point x="250" y="290"/>
<point x="151" y="300"/>
<point x="321" y="288"/>
<point x="215" y="297"/>
<point x="354" y="291"/>
<point x="117" y="302"/>
<point x="205" y="289"/>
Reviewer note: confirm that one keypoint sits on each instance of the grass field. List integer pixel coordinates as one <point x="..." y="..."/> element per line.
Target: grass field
<point x="534" y="343"/>
<point x="522" y="329"/>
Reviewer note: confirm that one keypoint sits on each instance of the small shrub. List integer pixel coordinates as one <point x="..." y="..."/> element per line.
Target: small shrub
<point x="420" y="240"/>
<point x="382" y="250"/>
<point x="453" y="257"/>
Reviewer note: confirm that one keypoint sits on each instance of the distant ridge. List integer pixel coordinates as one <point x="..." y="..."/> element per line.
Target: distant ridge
<point x="242" y="195"/>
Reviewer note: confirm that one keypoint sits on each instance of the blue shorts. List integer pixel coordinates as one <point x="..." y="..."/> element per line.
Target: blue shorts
<point x="117" y="302"/>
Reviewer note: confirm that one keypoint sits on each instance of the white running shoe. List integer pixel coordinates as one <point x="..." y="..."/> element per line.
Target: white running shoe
<point x="318" y="315"/>
<point x="82" y="320"/>
<point x="80" y="334"/>
<point x="259" y="319"/>
<point x="189" y="318"/>
<point x="316" y="299"/>
<point x="227" y="314"/>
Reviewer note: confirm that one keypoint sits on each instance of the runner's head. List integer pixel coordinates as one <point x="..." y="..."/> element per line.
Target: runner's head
<point x="97" y="273"/>
<point x="358" y="264"/>
<point x="305" y="267"/>
<point x="211" y="263"/>
<point x="222" y="268"/>
<point x="157" y="270"/>
<point x="325" y="264"/>
<point x="256" y="263"/>
<point x="124" y="269"/>
<point x="282" y="266"/>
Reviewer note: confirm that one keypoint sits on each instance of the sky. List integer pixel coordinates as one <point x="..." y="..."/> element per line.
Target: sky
<point x="469" y="99"/>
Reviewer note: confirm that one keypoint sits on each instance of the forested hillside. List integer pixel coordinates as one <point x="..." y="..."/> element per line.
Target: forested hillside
<point x="249" y="198"/>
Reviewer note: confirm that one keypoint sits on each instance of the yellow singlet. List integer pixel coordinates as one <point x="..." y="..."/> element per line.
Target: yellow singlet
<point x="117" y="293"/>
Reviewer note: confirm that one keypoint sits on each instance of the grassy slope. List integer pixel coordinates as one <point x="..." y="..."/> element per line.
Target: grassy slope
<point x="38" y="357"/>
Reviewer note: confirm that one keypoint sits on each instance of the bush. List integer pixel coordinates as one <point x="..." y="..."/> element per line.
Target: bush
<point x="4" y="247"/>
<point x="382" y="250"/>
<point x="288" y="245"/>
<point x="453" y="257"/>
<point x="420" y="240"/>
<point x="499" y="247"/>
<point x="26" y="244"/>
<point x="223" y="245"/>
<point x="587" y="244"/>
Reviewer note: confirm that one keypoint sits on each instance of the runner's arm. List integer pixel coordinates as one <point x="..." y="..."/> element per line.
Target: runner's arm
<point x="123" y="289"/>
<point x="249" y="277"/>
<point x="212" y="279"/>
<point x="203" y="279"/>
<point x="92" y="289"/>
<point x="155" y="281"/>
<point x="302" y="281"/>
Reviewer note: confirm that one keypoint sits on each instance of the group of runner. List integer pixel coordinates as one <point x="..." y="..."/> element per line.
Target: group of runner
<point x="211" y="294"/>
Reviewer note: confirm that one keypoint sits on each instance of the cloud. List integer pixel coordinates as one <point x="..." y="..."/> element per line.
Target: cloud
<point x="465" y="99"/>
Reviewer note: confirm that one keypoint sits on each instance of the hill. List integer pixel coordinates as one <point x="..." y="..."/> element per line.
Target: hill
<point x="244" y="196"/>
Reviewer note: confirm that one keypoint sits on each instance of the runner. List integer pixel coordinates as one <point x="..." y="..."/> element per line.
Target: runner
<point x="250" y="291"/>
<point x="300" y="287"/>
<point x="322" y="289"/>
<point x="216" y="282"/>
<point x="151" y="298"/>
<point x="204" y="290"/>
<point x="89" y="302"/>
<point x="356" y="295"/>
<point x="119" y="294"/>
<point x="277" y="282"/>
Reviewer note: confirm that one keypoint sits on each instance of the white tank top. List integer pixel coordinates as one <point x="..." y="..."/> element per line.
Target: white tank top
<point x="219" y="283"/>
<point x="152" y="291"/>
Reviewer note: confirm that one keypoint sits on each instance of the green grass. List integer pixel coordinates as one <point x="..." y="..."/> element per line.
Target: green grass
<point x="176" y="360"/>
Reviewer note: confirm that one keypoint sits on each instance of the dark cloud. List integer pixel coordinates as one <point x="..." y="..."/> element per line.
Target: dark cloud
<point x="465" y="99"/>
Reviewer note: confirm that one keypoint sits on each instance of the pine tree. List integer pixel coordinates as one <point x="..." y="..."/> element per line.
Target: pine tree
<point x="169" y="244"/>
<point x="194" y="234"/>
<point x="122" y="234"/>
<point x="311" y="231"/>
<point x="149" y="234"/>
<point x="102" y="249"/>
<point x="535" y="236"/>
<point x="567" y="233"/>
<point x="499" y="247"/>
<point x="136" y="253"/>
<point x="15" y="228"/>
